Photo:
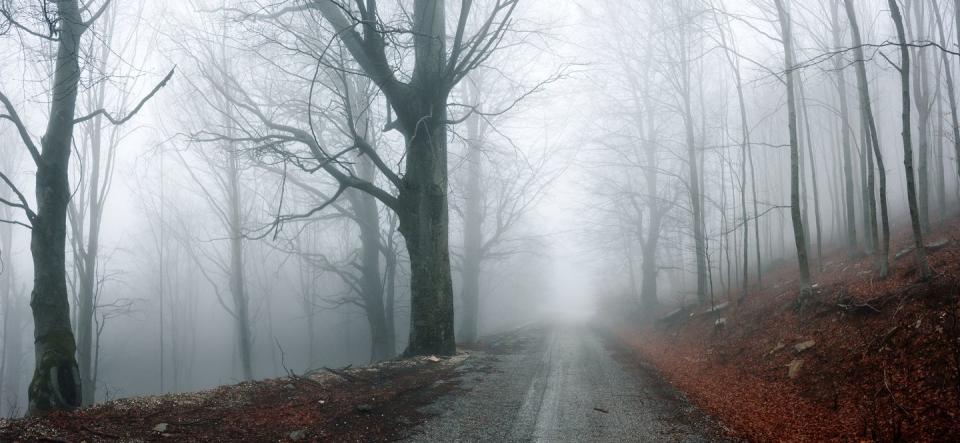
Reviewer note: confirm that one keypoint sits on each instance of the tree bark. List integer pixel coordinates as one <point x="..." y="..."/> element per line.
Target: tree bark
<point x="923" y="101"/>
<point x="56" y="377"/>
<point x="798" y="233"/>
<point x="920" y="252"/>
<point x="866" y="110"/>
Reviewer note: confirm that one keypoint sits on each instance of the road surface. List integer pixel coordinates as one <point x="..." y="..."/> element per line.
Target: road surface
<point x="561" y="383"/>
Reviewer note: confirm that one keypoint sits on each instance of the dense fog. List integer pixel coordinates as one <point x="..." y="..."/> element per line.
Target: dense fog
<point x="246" y="180"/>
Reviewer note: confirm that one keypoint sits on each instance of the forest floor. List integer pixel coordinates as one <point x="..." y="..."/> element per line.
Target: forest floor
<point x="374" y="403"/>
<point x="866" y="359"/>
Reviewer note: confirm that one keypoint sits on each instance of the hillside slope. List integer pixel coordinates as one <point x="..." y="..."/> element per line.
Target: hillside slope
<point x="866" y="359"/>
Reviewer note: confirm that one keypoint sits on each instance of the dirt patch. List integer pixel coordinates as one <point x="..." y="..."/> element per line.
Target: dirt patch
<point x="867" y="359"/>
<point x="376" y="403"/>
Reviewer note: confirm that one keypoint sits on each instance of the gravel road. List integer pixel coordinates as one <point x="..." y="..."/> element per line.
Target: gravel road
<point x="561" y="383"/>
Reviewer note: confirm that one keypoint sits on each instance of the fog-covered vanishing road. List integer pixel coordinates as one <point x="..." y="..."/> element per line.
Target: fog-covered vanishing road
<point x="561" y="382"/>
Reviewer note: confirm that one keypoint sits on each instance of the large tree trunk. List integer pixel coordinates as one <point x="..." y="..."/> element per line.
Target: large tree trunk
<point x="866" y="110"/>
<point x="422" y="200"/>
<point x="920" y="252"/>
<point x="56" y="377"/>
<point x="421" y="116"/>
<point x="798" y="233"/>
<point x="424" y="223"/>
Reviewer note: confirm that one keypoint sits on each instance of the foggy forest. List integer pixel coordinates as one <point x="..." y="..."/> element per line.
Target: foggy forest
<point x="479" y="220"/>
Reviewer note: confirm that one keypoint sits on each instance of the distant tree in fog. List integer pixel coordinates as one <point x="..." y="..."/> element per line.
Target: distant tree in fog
<point x="498" y="190"/>
<point x="96" y="148"/>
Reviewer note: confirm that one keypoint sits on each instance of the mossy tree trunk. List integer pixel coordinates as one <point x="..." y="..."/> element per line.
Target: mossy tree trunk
<point x="56" y="378"/>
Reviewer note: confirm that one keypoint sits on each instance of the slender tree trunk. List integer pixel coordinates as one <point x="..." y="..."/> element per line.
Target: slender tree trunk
<point x="746" y="157"/>
<point x="472" y="235"/>
<point x="368" y="217"/>
<point x="798" y="232"/>
<point x="56" y="377"/>
<point x="863" y="88"/>
<point x="813" y="172"/>
<point x="920" y="252"/>
<point x="649" y="266"/>
<point x="12" y="308"/>
<point x="948" y="74"/>
<point x="851" y="219"/>
<point x="695" y="194"/>
<point x="922" y="100"/>
<point x="238" y="287"/>
<point x="89" y="254"/>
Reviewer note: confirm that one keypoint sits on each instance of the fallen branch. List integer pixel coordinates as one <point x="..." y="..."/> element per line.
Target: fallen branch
<point x="340" y="374"/>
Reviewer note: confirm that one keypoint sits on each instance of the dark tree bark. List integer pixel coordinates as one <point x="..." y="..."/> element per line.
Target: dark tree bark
<point x="420" y="105"/>
<point x="56" y="378"/>
<point x="866" y="110"/>
<point x="920" y="252"/>
<point x="798" y="232"/>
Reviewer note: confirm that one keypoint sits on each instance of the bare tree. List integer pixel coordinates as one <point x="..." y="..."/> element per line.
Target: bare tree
<point x="97" y="144"/>
<point x="786" y="34"/>
<point x="56" y="380"/>
<point x="951" y="88"/>
<point x="920" y="252"/>
<point x="872" y="140"/>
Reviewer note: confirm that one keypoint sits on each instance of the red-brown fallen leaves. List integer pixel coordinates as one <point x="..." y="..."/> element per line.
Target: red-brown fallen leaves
<point x="870" y="375"/>
<point x="365" y="404"/>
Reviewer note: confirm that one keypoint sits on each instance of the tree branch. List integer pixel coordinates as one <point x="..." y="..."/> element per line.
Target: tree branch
<point x="123" y="120"/>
